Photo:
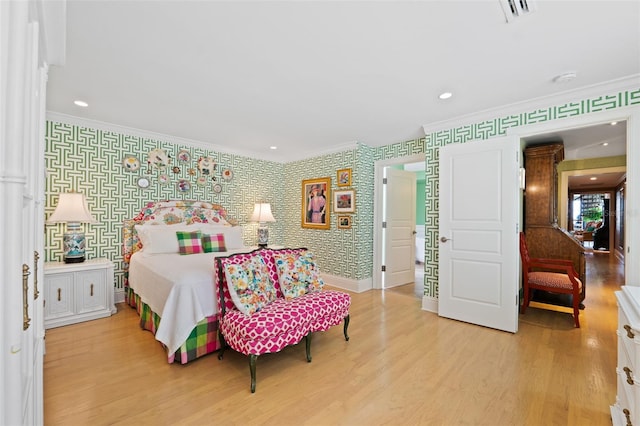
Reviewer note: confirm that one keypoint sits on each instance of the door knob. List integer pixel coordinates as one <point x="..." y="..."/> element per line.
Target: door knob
<point x="444" y="239"/>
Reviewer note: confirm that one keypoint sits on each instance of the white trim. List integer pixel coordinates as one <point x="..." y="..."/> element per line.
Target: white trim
<point x="115" y="128"/>
<point x="118" y="296"/>
<point x="626" y="83"/>
<point x="347" y="283"/>
<point x="430" y="304"/>
<point x="632" y="207"/>
<point x="378" y="210"/>
<point x="275" y="156"/>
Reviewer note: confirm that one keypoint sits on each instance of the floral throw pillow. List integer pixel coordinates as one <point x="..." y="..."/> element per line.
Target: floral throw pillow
<point x="189" y="242"/>
<point x="298" y="274"/>
<point x="249" y="284"/>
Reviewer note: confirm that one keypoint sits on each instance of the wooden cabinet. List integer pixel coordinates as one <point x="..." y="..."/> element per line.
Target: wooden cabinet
<point x="626" y="409"/>
<point x="544" y="238"/>
<point x="77" y="292"/>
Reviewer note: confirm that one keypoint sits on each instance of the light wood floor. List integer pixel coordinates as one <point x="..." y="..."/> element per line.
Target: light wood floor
<point x="402" y="366"/>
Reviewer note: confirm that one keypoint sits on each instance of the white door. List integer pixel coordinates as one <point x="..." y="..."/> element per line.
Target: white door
<point x="399" y="236"/>
<point x="478" y="235"/>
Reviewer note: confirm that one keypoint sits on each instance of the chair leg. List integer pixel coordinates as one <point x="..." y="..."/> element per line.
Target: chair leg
<point x="252" y="370"/>
<point x="525" y="299"/>
<point x="346" y="326"/>
<point x="307" y="341"/>
<point x="576" y="309"/>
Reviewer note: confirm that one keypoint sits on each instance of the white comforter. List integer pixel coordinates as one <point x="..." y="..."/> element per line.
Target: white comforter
<point x="180" y="289"/>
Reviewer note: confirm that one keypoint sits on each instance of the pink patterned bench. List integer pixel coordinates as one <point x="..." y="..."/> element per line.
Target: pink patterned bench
<point x="273" y="298"/>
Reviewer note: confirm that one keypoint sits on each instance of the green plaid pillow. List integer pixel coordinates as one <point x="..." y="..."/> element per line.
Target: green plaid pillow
<point x="211" y="243"/>
<point x="189" y="242"/>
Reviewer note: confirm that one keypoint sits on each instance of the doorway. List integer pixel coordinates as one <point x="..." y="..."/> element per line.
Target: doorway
<point x="414" y="163"/>
<point x="631" y="196"/>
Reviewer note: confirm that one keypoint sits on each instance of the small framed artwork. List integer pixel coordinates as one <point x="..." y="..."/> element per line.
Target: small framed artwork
<point x="344" y="201"/>
<point x="344" y="222"/>
<point x="344" y="177"/>
<point x="184" y="156"/>
<point x="316" y="203"/>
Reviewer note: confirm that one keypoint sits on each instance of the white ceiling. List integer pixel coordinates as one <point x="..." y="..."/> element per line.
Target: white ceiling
<point x="313" y="76"/>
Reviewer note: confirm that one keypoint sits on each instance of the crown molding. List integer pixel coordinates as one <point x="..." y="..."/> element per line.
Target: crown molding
<point x="625" y="83"/>
<point x="131" y="131"/>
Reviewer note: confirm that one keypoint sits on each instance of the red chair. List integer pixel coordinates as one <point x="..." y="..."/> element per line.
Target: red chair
<point x="552" y="275"/>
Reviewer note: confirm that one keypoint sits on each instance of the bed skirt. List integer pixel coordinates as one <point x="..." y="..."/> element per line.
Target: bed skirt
<point x="202" y="341"/>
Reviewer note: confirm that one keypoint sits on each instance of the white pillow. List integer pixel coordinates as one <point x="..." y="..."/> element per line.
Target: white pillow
<point x="157" y="239"/>
<point x="232" y="234"/>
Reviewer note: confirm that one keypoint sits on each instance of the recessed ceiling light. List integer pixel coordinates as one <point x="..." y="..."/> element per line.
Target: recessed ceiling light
<point x="565" y="77"/>
<point x="81" y="103"/>
<point x="273" y="147"/>
<point x="445" y="95"/>
<point x="613" y="123"/>
<point x="605" y="143"/>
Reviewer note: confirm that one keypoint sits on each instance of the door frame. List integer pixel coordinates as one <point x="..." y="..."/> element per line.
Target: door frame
<point x="378" y="209"/>
<point x="632" y="116"/>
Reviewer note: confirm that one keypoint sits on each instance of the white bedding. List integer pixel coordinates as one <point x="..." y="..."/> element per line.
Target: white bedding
<point x="180" y="289"/>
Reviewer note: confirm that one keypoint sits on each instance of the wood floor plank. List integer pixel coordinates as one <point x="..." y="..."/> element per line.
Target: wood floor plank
<point x="402" y="365"/>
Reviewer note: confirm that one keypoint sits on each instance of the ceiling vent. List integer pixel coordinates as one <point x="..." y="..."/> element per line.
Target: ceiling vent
<point x="517" y="8"/>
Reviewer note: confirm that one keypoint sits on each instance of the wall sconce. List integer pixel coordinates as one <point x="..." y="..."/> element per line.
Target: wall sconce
<point x="72" y="209"/>
<point x="262" y="214"/>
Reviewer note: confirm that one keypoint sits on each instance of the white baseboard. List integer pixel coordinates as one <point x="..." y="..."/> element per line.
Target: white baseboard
<point x="430" y="304"/>
<point x="347" y="283"/>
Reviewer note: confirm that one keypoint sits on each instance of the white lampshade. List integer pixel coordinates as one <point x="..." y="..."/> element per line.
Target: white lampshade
<point x="262" y="213"/>
<point x="72" y="207"/>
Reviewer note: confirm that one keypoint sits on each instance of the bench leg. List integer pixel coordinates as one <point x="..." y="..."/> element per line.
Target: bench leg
<point x="346" y="326"/>
<point x="223" y="345"/>
<point x="252" y="370"/>
<point x="307" y="341"/>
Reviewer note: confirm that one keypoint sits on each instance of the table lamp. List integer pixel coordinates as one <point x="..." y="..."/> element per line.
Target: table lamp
<point x="72" y="209"/>
<point x="262" y="214"/>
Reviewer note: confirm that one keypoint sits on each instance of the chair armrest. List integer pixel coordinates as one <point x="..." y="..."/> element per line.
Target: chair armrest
<point x="552" y="261"/>
<point x="554" y="265"/>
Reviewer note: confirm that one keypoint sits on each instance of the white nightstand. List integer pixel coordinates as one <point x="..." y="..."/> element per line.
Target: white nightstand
<point x="77" y="292"/>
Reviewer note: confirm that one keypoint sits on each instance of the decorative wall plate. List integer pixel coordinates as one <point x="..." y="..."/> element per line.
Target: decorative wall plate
<point x="217" y="188"/>
<point x="163" y="179"/>
<point x="184" y="156"/>
<point x="130" y="163"/>
<point x="202" y="181"/>
<point x="184" y="185"/>
<point x="207" y="165"/>
<point x="158" y="158"/>
<point x="227" y="174"/>
<point x="143" y="182"/>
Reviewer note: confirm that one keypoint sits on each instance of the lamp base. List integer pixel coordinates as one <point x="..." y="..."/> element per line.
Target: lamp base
<point x="263" y="236"/>
<point x="74" y="244"/>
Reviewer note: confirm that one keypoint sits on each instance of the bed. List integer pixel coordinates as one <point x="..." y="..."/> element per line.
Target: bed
<point x="174" y="293"/>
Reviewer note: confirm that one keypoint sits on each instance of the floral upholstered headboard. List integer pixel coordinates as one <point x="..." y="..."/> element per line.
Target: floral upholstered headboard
<point x="169" y="213"/>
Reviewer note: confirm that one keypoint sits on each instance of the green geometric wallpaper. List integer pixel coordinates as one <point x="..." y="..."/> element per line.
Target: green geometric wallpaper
<point x="488" y="129"/>
<point x="343" y="252"/>
<point x="90" y="161"/>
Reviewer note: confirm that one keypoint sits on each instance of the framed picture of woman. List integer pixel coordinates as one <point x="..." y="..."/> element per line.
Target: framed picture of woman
<point x="316" y="203"/>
